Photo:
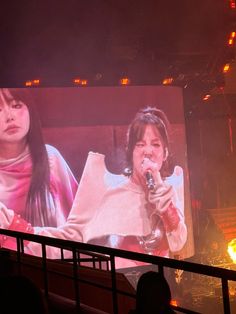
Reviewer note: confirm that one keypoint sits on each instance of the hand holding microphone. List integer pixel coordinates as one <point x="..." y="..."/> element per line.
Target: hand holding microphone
<point x="150" y="182"/>
<point x="149" y="167"/>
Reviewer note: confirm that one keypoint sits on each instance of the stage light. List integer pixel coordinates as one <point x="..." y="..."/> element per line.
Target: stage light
<point x="84" y="82"/>
<point x="31" y="83"/>
<point x="36" y="82"/>
<point x="28" y="83"/>
<point x="232" y="250"/>
<point x="230" y="42"/>
<point x="231" y="38"/>
<point x="232" y="35"/>
<point x="79" y="81"/>
<point x="124" y="81"/>
<point x="232" y="4"/>
<point x="167" y="81"/>
<point x="206" y="97"/>
<point x="76" y="81"/>
<point x="174" y="302"/>
<point x="226" y="68"/>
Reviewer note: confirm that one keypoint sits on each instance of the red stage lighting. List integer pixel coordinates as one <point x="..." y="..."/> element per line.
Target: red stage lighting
<point x="232" y="4"/>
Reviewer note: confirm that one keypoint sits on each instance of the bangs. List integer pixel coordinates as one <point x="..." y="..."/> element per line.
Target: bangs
<point x="20" y="94"/>
<point x="138" y="131"/>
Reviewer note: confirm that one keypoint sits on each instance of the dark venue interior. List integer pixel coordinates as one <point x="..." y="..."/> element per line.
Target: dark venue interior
<point x="124" y="44"/>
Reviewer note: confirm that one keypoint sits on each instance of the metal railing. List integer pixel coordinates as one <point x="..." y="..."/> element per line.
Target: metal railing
<point x="82" y="252"/>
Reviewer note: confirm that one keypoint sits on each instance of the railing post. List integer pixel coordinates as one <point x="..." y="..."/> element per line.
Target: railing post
<point x="44" y="267"/>
<point x="62" y="254"/>
<point x="22" y="245"/>
<point x="161" y="269"/>
<point x="225" y="275"/>
<point x="225" y="293"/>
<point x="113" y="282"/>
<point x="76" y="283"/>
<point x="18" y="245"/>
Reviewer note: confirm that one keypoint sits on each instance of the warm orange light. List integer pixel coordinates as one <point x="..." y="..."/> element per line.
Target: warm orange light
<point x="32" y="83"/>
<point x="206" y="97"/>
<point x="84" y="82"/>
<point x="36" y="82"/>
<point x="174" y="302"/>
<point x="124" y="81"/>
<point x="76" y="80"/>
<point x="232" y="35"/>
<point x="167" y="81"/>
<point x="232" y="250"/>
<point x="28" y="83"/>
<point x="230" y="42"/>
<point x="226" y="68"/>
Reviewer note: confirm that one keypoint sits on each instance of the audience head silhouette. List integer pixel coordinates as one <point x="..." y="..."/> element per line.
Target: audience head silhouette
<point x="18" y="294"/>
<point x="153" y="294"/>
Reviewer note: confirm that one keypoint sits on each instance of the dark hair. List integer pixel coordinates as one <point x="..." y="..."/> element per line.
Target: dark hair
<point x="148" y="116"/>
<point x="39" y="189"/>
<point x="153" y="293"/>
<point x="20" y="294"/>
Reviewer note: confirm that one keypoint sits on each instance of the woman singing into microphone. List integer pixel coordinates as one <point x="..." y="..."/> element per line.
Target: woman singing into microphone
<point x="144" y="212"/>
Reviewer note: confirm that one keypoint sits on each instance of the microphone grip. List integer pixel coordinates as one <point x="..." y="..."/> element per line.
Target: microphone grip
<point x="150" y="181"/>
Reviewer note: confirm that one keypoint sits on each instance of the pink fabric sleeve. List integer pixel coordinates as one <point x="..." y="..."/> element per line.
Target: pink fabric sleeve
<point x="62" y="183"/>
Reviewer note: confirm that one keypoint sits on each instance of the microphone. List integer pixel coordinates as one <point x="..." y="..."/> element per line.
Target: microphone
<point x="150" y="181"/>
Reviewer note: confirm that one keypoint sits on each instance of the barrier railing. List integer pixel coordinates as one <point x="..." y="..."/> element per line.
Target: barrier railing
<point x="102" y="260"/>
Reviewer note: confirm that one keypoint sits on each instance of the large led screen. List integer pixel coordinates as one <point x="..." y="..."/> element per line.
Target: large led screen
<point x="103" y="177"/>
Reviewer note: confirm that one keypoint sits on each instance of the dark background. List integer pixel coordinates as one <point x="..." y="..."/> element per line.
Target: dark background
<point x="102" y="41"/>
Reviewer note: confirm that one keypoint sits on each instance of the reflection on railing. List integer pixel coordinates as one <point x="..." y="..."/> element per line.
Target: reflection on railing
<point x="90" y="278"/>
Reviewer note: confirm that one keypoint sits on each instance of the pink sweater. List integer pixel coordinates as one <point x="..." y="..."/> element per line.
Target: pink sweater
<point x="15" y="176"/>
<point x="111" y="210"/>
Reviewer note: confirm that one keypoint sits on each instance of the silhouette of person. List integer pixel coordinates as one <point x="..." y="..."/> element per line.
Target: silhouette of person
<point x="19" y="294"/>
<point x="153" y="295"/>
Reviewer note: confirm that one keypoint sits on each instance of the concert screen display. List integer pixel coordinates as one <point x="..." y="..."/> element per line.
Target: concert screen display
<point x="87" y="127"/>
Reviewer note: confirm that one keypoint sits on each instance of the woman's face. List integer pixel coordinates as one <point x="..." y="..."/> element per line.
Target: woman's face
<point x="14" y="119"/>
<point x="149" y="152"/>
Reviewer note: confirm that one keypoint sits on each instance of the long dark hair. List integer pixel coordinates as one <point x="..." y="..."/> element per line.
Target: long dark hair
<point x="149" y="116"/>
<point x="38" y="195"/>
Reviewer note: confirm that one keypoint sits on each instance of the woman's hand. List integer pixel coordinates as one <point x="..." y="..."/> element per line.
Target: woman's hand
<point x="11" y="221"/>
<point x="161" y="197"/>
<point x="150" y="170"/>
<point x="6" y="216"/>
